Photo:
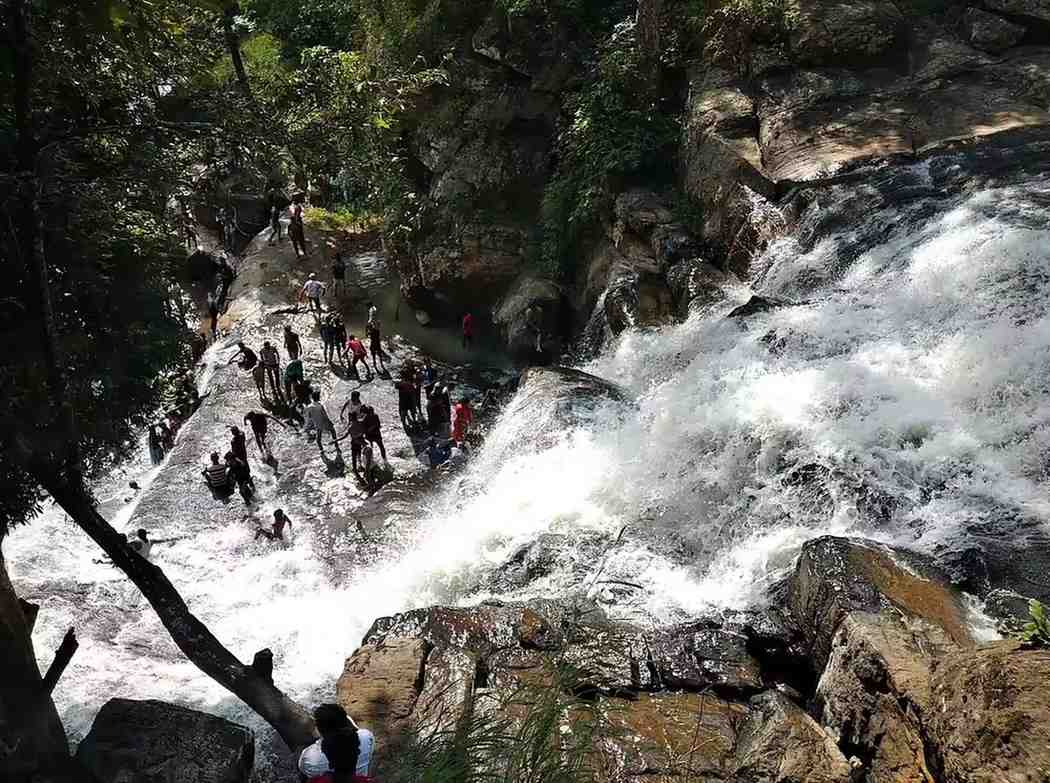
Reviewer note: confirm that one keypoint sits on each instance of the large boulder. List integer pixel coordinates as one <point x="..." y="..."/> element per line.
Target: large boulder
<point x="156" y="742"/>
<point x="852" y="31"/>
<point x="779" y="743"/>
<point x="836" y="577"/>
<point x="876" y="620"/>
<point x="989" y="717"/>
<point x="530" y="317"/>
<point x="990" y="32"/>
<point x="721" y="163"/>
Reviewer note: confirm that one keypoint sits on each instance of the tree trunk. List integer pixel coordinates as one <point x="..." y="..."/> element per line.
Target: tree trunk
<point x="32" y="740"/>
<point x="647" y="24"/>
<point x="289" y="719"/>
<point x="63" y="655"/>
<point x="234" y="46"/>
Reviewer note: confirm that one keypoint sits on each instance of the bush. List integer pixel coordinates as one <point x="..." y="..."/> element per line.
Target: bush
<point x="615" y="130"/>
<point x="730" y="28"/>
<point x="342" y="219"/>
<point x="1036" y="632"/>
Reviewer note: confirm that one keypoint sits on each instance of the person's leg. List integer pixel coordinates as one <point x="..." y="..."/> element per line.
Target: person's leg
<point x="378" y="440"/>
<point x="335" y="440"/>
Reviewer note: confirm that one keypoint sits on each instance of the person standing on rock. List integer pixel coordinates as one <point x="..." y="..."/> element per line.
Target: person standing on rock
<point x="276" y="533"/>
<point x="271" y="360"/>
<point x="339" y="338"/>
<point x="241" y="474"/>
<point x="259" y="376"/>
<point x="373" y="314"/>
<point x="296" y="225"/>
<point x="462" y="419"/>
<point x="156" y="450"/>
<point x="293" y="374"/>
<point x="357" y="353"/>
<point x="407" y="400"/>
<point x="258" y="422"/>
<point x="313" y="290"/>
<point x="338" y="274"/>
<point x="275" y="224"/>
<point x="374" y="430"/>
<point x="351" y="407"/>
<point x="468" y="331"/>
<point x="213" y="317"/>
<point x="292" y="344"/>
<point x="318" y="417"/>
<point x="238" y="444"/>
<point x="375" y="340"/>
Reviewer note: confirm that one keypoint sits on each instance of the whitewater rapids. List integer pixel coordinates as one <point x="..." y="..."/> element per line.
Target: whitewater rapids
<point x="902" y="394"/>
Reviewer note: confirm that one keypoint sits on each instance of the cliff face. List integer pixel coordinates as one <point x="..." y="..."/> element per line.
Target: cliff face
<point x="840" y="88"/>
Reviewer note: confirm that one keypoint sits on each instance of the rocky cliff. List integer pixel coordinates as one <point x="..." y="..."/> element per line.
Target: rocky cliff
<point x="835" y="92"/>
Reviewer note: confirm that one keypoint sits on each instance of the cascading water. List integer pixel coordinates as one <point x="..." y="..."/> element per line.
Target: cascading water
<point x="903" y="395"/>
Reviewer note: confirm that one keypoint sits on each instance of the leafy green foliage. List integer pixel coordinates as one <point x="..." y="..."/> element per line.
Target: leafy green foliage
<point x="731" y="27"/>
<point x="616" y="129"/>
<point x="1036" y="631"/>
<point x="108" y="160"/>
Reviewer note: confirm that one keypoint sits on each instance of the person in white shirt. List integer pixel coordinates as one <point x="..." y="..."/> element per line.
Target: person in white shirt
<point x="313" y="290"/>
<point x="373" y="313"/>
<point x="313" y="763"/>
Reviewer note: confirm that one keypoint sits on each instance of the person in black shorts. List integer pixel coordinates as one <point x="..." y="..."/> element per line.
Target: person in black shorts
<point x="292" y="344"/>
<point x="258" y="422"/>
<point x="375" y="345"/>
<point x="338" y="274"/>
<point x="327" y="329"/>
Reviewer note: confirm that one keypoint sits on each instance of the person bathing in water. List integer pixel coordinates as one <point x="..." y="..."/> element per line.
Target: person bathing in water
<point x="276" y="533"/>
<point x="344" y="752"/>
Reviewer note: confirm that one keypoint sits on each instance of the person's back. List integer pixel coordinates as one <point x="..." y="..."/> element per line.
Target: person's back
<point x="357" y="348"/>
<point x="318" y="415"/>
<point x="372" y="423"/>
<point x="216" y="475"/>
<point x="269" y="355"/>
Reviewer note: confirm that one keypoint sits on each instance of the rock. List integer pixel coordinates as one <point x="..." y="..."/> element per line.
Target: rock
<point x="988" y="32"/>
<point x="669" y="737"/>
<point x="566" y="389"/>
<point x="1008" y="607"/>
<point x="850" y="31"/>
<point x="153" y="741"/>
<point x="532" y="308"/>
<point x="874" y="687"/>
<point x="638" y="301"/>
<point x="1031" y="11"/>
<point x="756" y="304"/>
<point x="381" y="683"/>
<point x="641" y="211"/>
<point x="696" y="284"/>
<point x="835" y="577"/>
<point x="990" y="715"/>
<point x="703" y="655"/>
<point x="779" y="743"/>
<point x="722" y="167"/>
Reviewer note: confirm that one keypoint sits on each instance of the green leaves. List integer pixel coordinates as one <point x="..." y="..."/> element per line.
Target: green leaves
<point x="1036" y="631"/>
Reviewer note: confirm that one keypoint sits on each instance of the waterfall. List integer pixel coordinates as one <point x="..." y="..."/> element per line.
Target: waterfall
<point x="901" y="393"/>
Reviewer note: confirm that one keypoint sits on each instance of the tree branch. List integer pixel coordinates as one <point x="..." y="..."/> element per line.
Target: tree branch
<point x="63" y="655"/>
<point x="207" y="653"/>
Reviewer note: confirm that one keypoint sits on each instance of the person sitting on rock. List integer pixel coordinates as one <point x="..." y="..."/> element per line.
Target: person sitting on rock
<point x="344" y="752"/>
<point x="141" y="545"/>
<point x="438" y="451"/>
<point x="216" y="475"/>
<point x="276" y="533"/>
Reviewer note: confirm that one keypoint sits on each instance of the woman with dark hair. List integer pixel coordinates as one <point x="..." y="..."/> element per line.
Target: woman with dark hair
<point x="343" y="753"/>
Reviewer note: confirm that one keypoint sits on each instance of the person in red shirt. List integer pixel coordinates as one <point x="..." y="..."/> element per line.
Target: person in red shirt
<point x="462" y="418"/>
<point x="357" y="352"/>
<point x="468" y="330"/>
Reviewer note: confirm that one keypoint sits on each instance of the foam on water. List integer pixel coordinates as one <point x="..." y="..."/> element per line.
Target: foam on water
<point x="906" y="396"/>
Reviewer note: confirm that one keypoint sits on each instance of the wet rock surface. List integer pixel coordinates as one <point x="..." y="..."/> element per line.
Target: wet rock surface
<point x="153" y="741"/>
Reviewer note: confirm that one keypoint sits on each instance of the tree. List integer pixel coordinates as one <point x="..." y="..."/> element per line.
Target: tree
<point x="89" y="327"/>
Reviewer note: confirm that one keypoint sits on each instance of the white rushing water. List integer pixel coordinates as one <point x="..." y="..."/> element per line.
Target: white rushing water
<point x="906" y="398"/>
